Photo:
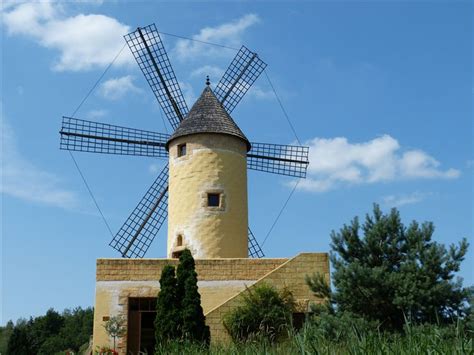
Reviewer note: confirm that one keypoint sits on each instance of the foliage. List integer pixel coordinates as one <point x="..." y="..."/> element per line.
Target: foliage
<point x="393" y="273"/>
<point x="192" y="315"/>
<point x="51" y="333"/>
<point x="180" y="317"/>
<point x="167" y="308"/>
<point x="5" y="334"/>
<point x="263" y="313"/>
<point x="426" y="339"/>
<point x="115" y="327"/>
<point x="105" y="350"/>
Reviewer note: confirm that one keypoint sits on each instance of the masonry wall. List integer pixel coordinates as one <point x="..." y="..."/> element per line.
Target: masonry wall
<point x="291" y="275"/>
<point x="220" y="281"/>
<point x="119" y="279"/>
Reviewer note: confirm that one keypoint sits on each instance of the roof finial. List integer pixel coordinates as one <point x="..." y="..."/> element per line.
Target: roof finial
<point x="207" y="80"/>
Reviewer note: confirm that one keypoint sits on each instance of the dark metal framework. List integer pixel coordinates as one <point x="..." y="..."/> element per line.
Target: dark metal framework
<point x="137" y="233"/>
<point x="150" y="54"/>
<point x="254" y="248"/>
<point x="242" y="72"/>
<point x="290" y="160"/>
<point x="87" y="136"/>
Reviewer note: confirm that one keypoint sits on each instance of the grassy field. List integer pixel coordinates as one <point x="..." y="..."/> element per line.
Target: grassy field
<point x="416" y="340"/>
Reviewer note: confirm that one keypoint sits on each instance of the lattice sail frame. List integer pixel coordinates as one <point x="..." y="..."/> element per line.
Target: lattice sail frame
<point x="255" y="251"/>
<point x="290" y="160"/>
<point x="94" y="137"/>
<point x="242" y="72"/>
<point x="137" y="233"/>
<point x="147" y="48"/>
<point x="139" y="230"/>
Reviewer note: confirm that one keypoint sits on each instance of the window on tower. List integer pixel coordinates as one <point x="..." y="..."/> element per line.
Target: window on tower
<point x="181" y="150"/>
<point x="213" y="199"/>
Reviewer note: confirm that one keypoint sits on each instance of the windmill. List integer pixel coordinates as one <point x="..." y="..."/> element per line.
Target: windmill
<point x="200" y="128"/>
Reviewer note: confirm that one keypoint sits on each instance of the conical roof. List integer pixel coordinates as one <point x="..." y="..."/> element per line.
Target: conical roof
<point x="208" y="116"/>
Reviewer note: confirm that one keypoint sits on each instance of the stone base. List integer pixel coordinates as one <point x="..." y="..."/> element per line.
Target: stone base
<point x="220" y="281"/>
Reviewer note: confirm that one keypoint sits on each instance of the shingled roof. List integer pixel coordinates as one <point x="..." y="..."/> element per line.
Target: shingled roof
<point x="208" y="116"/>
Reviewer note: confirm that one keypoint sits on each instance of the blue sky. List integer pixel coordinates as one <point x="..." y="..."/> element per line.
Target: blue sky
<point x="381" y="92"/>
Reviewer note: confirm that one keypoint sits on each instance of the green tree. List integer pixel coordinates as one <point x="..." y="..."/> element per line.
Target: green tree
<point x="264" y="312"/>
<point x="5" y="334"/>
<point x="193" y="322"/>
<point x="167" y="321"/>
<point x="392" y="273"/>
<point x="19" y="342"/>
<point x="77" y="327"/>
<point x="115" y="327"/>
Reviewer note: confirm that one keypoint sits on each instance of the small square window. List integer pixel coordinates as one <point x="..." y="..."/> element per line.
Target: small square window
<point x="213" y="200"/>
<point x="181" y="150"/>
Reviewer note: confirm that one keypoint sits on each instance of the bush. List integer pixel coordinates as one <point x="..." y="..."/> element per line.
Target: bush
<point x="167" y="308"/>
<point x="393" y="272"/>
<point x="264" y="313"/>
<point x="179" y="315"/>
<point x="194" y="326"/>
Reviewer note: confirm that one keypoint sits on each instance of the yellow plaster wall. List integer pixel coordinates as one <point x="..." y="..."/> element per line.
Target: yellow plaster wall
<point x="213" y="163"/>
<point x="220" y="281"/>
<point x="290" y="274"/>
<point x="102" y="307"/>
<point x="119" y="279"/>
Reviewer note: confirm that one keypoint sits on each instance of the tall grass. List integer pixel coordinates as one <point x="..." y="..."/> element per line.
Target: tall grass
<point x="424" y="339"/>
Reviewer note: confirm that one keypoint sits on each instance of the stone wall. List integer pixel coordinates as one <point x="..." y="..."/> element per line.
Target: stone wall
<point x="220" y="281"/>
<point x="290" y="275"/>
<point x="207" y="269"/>
<point x="119" y="279"/>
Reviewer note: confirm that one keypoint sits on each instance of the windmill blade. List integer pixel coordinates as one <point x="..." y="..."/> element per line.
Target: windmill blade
<point x="150" y="54"/>
<point x="94" y="137"/>
<point x="137" y="233"/>
<point x="254" y="248"/>
<point x="290" y="160"/>
<point x="242" y="72"/>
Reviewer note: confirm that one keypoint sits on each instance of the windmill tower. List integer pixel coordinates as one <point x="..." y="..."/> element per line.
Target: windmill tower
<point x="203" y="188"/>
<point x="207" y="209"/>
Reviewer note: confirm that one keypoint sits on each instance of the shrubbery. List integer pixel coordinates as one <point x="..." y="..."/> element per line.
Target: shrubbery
<point x="179" y="315"/>
<point x="263" y="313"/>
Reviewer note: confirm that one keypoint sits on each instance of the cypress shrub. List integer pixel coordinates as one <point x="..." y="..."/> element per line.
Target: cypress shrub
<point x="167" y="319"/>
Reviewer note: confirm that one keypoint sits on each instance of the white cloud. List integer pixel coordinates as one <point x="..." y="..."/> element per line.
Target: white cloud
<point x="214" y="72"/>
<point x="188" y="92"/>
<point x="83" y="41"/>
<point x="22" y="179"/>
<point x="404" y="199"/>
<point x="94" y="114"/>
<point x="337" y="162"/>
<point x="117" y="88"/>
<point x="229" y="34"/>
<point x="259" y="93"/>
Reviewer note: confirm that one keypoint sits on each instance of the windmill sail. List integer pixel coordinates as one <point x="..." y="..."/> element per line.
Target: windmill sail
<point x="255" y="251"/>
<point x="139" y="230"/>
<point x="242" y="72"/>
<point x="94" y="137"/>
<point x="290" y="160"/>
<point x="150" y="54"/>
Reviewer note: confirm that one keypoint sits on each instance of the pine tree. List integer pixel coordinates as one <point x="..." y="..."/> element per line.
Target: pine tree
<point x="392" y="273"/>
<point x="167" y="308"/>
<point x="193" y="322"/>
